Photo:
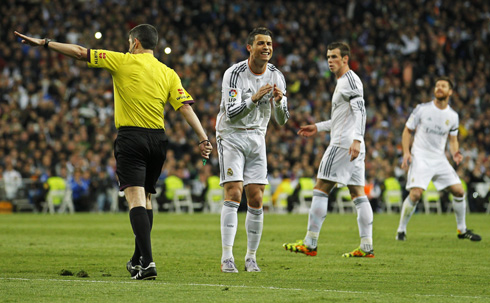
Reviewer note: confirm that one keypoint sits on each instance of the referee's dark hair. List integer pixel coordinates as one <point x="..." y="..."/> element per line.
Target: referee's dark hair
<point x="445" y="78"/>
<point x="147" y="34"/>
<point x="258" y="31"/>
<point x="342" y="46"/>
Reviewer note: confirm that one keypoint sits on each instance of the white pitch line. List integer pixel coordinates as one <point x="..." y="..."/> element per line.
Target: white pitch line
<point x="246" y="286"/>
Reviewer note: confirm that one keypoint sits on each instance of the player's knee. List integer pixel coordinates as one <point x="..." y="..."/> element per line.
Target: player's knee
<point x="458" y="192"/>
<point x="415" y="195"/>
<point x="234" y="195"/>
<point x="255" y="201"/>
<point x="254" y="197"/>
<point x="233" y="191"/>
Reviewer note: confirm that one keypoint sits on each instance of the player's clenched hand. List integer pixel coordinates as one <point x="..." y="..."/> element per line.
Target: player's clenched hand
<point x="277" y="93"/>
<point x="206" y="149"/>
<point x="407" y="159"/>
<point x="354" y="149"/>
<point x="457" y="157"/>
<point x="261" y="92"/>
<point x="308" y="130"/>
<point x="29" y="40"/>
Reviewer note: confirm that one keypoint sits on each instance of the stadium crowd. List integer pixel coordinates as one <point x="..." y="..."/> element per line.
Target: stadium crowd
<point x="58" y="114"/>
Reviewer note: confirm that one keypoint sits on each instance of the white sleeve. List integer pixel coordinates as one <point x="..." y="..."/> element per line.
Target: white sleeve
<point x="414" y="118"/>
<point x="359" y="112"/>
<point x="324" y="126"/>
<point x="281" y="112"/>
<point x="455" y="127"/>
<point x="235" y="107"/>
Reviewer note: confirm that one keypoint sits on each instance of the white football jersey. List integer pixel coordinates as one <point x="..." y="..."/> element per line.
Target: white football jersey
<point x="432" y="127"/>
<point x="237" y="111"/>
<point x="348" y="113"/>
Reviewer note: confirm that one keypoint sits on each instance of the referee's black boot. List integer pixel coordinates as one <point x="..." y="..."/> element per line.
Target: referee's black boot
<point x="148" y="273"/>
<point x="133" y="269"/>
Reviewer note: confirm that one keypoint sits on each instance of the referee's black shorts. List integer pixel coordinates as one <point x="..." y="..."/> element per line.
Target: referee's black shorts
<point x="140" y="153"/>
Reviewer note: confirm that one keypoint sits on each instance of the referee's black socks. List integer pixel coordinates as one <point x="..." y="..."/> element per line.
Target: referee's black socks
<point x="140" y="222"/>
<point x="137" y="254"/>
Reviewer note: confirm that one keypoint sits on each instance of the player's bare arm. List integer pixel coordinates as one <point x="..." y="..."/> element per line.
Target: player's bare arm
<point x="354" y="149"/>
<point x="71" y="50"/>
<point x="308" y="130"/>
<point x="406" y="139"/>
<point x="262" y="92"/>
<point x="454" y="149"/>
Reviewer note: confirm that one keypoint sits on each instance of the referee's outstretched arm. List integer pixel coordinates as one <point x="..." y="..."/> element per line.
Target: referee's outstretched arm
<point x="71" y="50"/>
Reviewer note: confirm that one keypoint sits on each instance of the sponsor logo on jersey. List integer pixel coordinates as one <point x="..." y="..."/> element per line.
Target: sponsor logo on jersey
<point x="438" y="131"/>
<point x="96" y="61"/>
<point x="233" y="93"/>
<point x="229" y="172"/>
<point x="182" y="94"/>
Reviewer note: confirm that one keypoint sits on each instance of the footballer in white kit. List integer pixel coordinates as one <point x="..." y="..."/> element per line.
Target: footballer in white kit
<point x="433" y="123"/>
<point x="252" y="90"/>
<point x="432" y="127"/>
<point x="348" y="123"/>
<point x="343" y="161"/>
<point x="242" y="124"/>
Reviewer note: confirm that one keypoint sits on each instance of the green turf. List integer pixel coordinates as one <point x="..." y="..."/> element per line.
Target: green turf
<point x="432" y="266"/>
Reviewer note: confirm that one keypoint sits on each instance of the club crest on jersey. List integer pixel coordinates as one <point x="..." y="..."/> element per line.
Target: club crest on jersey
<point x="229" y="172"/>
<point x="447" y="122"/>
<point x="233" y="93"/>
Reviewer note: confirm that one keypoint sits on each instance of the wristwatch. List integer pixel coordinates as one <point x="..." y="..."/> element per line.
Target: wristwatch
<point x="46" y="42"/>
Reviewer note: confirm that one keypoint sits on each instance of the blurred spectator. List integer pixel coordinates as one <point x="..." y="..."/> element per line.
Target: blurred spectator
<point x="12" y="180"/>
<point x="100" y="185"/>
<point x="80" y="191"/>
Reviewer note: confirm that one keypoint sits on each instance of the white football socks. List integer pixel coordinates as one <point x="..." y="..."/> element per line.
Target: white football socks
<point x="254" y="223"/>
<point x="317" y="214"/>
<point x="365" y="222"/>
<point x="229" y="221"/>
<point x="459" y="206"/>
<point x="408" y="208"/>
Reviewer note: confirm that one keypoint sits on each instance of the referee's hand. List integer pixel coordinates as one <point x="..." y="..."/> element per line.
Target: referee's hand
<point x="29" y="40"/>
<point x="206" y="149"/>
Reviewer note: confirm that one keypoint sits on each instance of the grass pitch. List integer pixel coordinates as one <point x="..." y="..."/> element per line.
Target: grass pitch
<point x="432" y="266"/>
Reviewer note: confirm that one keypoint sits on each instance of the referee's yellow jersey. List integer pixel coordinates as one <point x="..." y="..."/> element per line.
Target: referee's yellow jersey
<point x="142" y="86"/>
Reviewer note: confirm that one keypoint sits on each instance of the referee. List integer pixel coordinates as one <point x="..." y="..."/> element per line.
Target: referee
<point x="142" y="86"/>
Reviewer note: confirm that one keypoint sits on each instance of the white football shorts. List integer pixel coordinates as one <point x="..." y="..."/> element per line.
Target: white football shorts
<point x="242" y="157"/>
<point x="337" y="167"/>
<point x="422" y="170"/>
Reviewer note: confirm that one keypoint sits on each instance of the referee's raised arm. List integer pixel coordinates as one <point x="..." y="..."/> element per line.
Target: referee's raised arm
<point x="71" y="50"/>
